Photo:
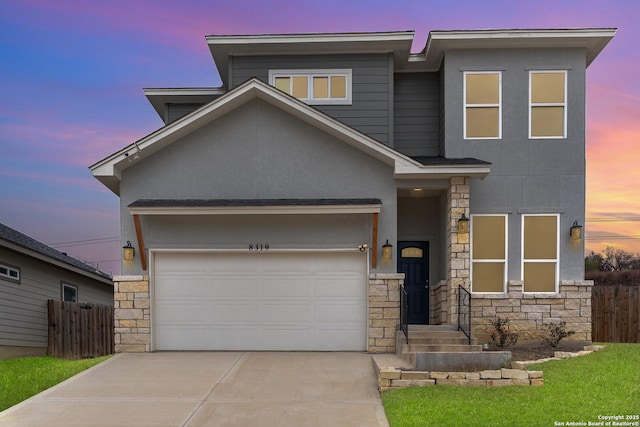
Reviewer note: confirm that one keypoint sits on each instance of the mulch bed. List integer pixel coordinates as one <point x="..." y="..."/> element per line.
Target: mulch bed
<point x="535" y="352"/>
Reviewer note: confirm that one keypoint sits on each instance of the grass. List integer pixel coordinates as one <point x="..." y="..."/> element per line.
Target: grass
<point x="25" y="377"/>
<point x="575" y="390"/>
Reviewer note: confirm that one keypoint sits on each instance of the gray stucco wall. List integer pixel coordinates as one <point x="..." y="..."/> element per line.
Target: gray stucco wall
<point x="24" y="305"/>
<point x="258" y="151"/>
<point x="527" y="175"/>
<point x="370" y="111"/>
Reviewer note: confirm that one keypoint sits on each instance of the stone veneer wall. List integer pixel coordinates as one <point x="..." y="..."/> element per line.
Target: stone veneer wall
<point x="133" y="317"/>
<point x="132" y="329"/>
<point x="528" y="312"/>
<point x="384" y="311"/>
<point x="444" y="295"/>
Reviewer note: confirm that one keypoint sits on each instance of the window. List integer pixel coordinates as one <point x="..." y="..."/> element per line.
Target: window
<point x="69" y="293"/>
<point x="540" y="252"/>
<point x="482" y="105"/>
<point x="314" y="86"/>
<point x="488" y="253"/>
<point x="9" y="272"/>
<point x="547" y="104"/>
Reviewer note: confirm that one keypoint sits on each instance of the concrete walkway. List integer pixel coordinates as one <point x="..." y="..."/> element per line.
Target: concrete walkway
<point x="212" y="389"/>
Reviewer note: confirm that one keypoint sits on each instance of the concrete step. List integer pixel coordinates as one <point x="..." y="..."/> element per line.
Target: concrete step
<point x="442" y="340"/>
<point x="449" y="348"/>
<point x="432" y="328"/>
<point x="458" y="361"/>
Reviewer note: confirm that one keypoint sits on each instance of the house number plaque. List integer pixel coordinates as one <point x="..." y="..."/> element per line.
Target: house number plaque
<point x="259" y="247"/>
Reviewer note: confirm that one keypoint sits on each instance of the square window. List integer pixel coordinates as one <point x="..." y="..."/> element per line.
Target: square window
<point x="69" y="293"/>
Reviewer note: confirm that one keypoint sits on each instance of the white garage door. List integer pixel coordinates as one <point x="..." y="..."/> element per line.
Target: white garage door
<point x="259" y="301"/>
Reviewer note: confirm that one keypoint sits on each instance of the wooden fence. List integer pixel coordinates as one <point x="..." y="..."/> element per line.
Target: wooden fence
<point x="78" y="331"/>
<point x="615" y="314"/>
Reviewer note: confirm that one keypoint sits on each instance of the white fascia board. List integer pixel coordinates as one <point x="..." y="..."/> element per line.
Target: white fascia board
<point x="112" y="166"/>
<point x="258" y="210"/>
<point x="309" y="38"/>
<point x="439" y="172"/>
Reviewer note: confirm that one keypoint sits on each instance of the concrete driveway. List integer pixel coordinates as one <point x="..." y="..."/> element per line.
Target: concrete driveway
<point x="212" y="389"/>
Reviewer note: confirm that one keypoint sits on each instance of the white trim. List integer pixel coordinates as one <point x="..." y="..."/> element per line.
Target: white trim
<point x="311" y="74"/>
<point x="67" y="285"/>
<point x="550" y="104"/>
<point x="534" y="260"/>
<point x="257" y="210"/>
<point x="506" y="253"/>
<point x="465" y="105"/>
<point x="10" y="270"/>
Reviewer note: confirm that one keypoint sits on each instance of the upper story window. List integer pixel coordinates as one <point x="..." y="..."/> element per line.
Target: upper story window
<point x="483" y="105"/>
<point x="10" y="272"/>
<point x="488" y="253"/>
<point x="540" y="249"/>
<point x="314" y="86"/>
<point x="547" y="104"/>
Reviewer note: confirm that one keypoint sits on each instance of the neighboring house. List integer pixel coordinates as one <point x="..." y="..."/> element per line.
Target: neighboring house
<point x="32" y="273"/>
<point x="282" y="210"/>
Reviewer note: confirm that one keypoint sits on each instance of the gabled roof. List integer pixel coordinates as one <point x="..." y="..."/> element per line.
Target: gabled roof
<point x="15" y="240"/>
<point x="108" y="171"/>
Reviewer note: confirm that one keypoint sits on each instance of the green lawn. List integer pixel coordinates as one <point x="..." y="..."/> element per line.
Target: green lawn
<point x="25" y="377"/>
<point x="575" y="390"/>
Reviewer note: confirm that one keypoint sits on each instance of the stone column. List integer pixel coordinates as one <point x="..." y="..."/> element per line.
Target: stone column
<point x="458" y="248"/>
<point x="384" y="311"/>
<point x="132" y="316"/>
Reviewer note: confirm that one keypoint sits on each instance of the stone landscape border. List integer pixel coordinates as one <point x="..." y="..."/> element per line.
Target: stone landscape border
<point x="391" y="378"/>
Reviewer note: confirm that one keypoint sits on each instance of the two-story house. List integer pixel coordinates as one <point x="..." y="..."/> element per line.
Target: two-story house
<point x="286" y="209"/>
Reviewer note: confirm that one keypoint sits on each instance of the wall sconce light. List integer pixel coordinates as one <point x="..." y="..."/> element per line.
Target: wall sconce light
<point x="576" y="231"/>
<point x="128" y="251"/>
<point x="463" y="224"/>
<point x="386" y="251"/>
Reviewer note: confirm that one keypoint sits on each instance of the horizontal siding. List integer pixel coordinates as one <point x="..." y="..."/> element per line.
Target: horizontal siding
<point x="417" y="113"/>
<point x="23" y="306"/>
<point x="369" y="111"/>
<point x="176" y="111"/>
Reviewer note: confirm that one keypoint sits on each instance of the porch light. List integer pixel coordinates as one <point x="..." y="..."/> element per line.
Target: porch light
<point x="386" y="251"/>
<point x="576" y="231"/>
<point x="128" y="252"/>
<point x="463" y="224"/>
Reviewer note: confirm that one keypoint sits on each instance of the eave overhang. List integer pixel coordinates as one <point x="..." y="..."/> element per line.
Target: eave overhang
<point x="160" y="97"/>
<point x="593" y="40"/>
<point x="254" y="206"/>
<point x="109" y="170"/>
<point x="224" y="47"/>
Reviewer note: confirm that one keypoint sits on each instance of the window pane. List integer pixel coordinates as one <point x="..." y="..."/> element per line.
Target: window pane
<point x="411" y="253"/>
<point x="547" y="87"/>
<point x="69" y="294"/>
<point x="547" y="121"/>
<point x="488" y="277"/>
<point x="539" y="276"/>
<point x="482" y="122"/>
<point x="13" y="273"/>
<point x="320" y="87"/>
<point x="540" y="237"/>
<point x="488" y="237"/>
<point x="283" y="84"/>
<point x="338" y="87"/>
<point x="300" y="87"/>
<point x="483" y="89"/>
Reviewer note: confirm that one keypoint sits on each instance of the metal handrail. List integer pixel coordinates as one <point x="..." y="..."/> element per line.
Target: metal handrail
<point x="404" y="309"/>
<point x="464" y="318"/>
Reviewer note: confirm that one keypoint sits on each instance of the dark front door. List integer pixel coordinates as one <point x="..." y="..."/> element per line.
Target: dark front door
<point x="413" y="261"/>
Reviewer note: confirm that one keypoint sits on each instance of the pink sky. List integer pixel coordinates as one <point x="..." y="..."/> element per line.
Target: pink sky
<point x="73" y="73"/>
